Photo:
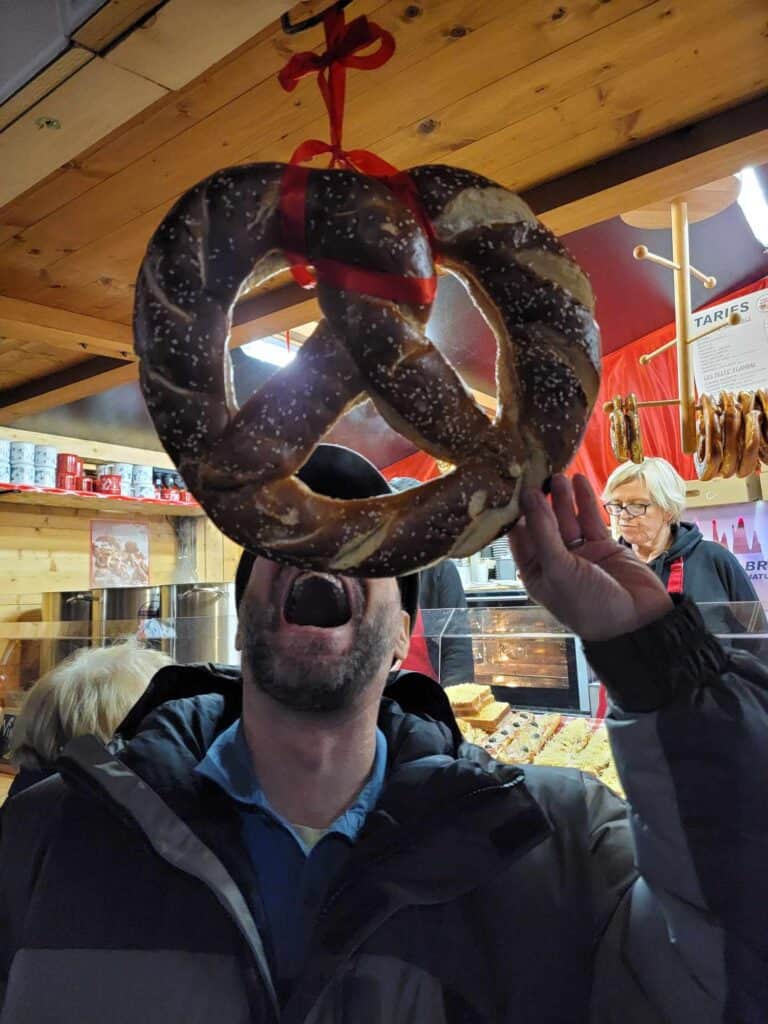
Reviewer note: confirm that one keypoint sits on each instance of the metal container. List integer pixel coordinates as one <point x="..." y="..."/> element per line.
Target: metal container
<point x="206" y="623"/>
<point x="98" y="617"/>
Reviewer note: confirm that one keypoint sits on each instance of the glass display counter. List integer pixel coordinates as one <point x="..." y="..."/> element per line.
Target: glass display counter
<point x="531" y="660"/>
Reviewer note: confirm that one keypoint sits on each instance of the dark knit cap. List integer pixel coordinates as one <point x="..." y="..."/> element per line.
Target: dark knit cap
<point x="339" y="472"/>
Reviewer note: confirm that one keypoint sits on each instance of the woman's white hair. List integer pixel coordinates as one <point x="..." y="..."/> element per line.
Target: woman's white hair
<point x="90" y="692"/>
<point x="666" y="486"/>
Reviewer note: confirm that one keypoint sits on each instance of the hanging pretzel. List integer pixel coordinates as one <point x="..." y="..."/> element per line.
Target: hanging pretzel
<point x="226" y="234"/>
<point x="730" y="425"/>
<point x="750" y="438"/>
<point x="761" y="404"/>
<point x="708" y="456"/>
<point x="618" y="430"/>
<point x="634" y="432"/>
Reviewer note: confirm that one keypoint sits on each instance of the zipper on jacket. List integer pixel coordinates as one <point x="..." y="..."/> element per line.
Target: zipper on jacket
<point x="398" y="844"/>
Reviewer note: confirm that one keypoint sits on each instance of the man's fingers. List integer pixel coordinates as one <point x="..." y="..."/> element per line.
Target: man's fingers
<point x="541" y="524"/>
<point x="523" y="551"/>
<point x="565" y="509"/>
<point x="592" y="525"/>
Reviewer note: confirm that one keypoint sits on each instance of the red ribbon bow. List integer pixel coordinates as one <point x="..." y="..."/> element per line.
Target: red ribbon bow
<point x="342" y="43"/>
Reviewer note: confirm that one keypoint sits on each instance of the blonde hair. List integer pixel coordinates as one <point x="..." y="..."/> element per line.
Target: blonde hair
<point x="666" y="486"/>
<point x="90" y="692"/>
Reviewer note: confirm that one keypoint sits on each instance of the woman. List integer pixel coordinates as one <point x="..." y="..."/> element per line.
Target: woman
<point x="90" y="692"/>
<point x="645" y="502"/>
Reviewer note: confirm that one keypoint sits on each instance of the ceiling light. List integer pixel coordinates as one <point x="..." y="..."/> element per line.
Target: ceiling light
<point x="753" y="204"/>
<point x="270" y="350"/>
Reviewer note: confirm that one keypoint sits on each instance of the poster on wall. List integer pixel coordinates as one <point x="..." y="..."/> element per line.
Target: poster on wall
<point x="733" y="358"/>
<point x="743" y="530"/>
<point x="119" y="554"/>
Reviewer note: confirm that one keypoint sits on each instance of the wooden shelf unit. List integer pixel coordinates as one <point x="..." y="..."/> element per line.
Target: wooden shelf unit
<point x="19" y="494"/>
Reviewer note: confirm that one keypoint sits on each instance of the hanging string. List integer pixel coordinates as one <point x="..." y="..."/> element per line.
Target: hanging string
<point x="343" y="44"/>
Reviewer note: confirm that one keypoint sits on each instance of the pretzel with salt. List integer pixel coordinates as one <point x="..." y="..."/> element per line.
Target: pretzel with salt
<point x="226" y="235"/>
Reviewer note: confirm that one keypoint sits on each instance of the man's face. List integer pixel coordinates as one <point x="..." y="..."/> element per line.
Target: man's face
<point x="315" y="641"/>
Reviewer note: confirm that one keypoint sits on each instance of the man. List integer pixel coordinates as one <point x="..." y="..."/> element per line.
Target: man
<point x="440" y="586"/>
<point x="302" y="849"/>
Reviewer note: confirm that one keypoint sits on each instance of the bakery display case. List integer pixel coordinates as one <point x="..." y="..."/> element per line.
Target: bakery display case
<point x="523" y="653"/>
<point x="530" y="660"/>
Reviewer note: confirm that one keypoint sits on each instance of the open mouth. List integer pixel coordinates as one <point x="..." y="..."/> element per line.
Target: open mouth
<point x="315" y="599"/>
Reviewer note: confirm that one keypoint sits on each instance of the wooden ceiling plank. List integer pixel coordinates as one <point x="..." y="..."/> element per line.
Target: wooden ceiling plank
<point x="588" y="62"/>
<point x="113" y="20"/>
<point x="187" y="36"/>
<point x="617" y="192"/>
<point x="616" y="119"/>
<point x="507" y="66"/>
<point x="225" y="137"/>
<point x="31" y="321"/>
<point x="551" y="131"/>
<point x="235" y="75"/>
<point x="78" y="382"/>
<point x="273" y="313"/>
<point x="598" y="121"/>
<point x="90" y="103"/>
<point x="41" y="85"/>
<point x="74" y="262"/>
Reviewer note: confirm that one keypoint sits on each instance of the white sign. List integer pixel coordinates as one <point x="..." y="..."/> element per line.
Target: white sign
<point x="733" y="358"/>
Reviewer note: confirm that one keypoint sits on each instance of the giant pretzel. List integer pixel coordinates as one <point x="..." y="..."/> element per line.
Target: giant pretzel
<point x="225" y="235"/>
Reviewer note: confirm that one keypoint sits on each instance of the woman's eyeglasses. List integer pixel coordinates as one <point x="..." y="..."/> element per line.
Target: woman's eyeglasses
<point x="633" y="510"/>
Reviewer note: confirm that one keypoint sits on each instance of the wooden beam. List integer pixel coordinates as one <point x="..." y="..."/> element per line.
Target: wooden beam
<point x="95" y="451"/>
<point x="114" y="19"/>
<point x="272" y="313"/>
<point x="29" y="321"/>
<point x="80" y="381"/>
<point x="655" y="170"/>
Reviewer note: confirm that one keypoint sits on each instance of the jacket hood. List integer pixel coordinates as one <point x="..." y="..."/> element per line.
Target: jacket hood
<point x="685" y="537"/>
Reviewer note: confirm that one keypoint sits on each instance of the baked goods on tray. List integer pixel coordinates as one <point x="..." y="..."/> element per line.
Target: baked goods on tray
<point x="467" y="698"/>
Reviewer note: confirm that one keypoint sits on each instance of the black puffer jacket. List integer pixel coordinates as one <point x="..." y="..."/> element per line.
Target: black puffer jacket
<point x="477" y="892"/>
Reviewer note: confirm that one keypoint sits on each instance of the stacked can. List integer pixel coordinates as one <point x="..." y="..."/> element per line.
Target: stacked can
<point x="143" y="486"/>
<point x="5" y="462"/>
<point x="45" y="465"/>
<point x="69" y="471"/>
<point x="22" y="463"/>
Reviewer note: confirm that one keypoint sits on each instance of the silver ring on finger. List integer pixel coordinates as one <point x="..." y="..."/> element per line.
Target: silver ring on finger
<point x="577" y="542"/>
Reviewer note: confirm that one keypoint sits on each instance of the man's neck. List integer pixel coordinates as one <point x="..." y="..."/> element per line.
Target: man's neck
<point x="310" y="767"/>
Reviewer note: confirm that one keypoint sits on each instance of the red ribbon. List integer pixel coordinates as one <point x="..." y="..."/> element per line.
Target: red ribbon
<point x="342" y="44"/>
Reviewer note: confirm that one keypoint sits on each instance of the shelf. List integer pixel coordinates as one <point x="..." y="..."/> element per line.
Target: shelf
<point x="22" y="494"/>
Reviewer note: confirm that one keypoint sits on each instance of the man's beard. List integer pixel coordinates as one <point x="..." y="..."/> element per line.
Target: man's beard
<point x="309" y="683"/>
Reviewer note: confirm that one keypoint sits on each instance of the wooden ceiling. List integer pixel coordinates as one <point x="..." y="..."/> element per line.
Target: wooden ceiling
<point x="559" y="99"/>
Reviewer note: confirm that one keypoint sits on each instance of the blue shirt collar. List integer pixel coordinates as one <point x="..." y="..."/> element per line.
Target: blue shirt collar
<point x="228" y="764"/>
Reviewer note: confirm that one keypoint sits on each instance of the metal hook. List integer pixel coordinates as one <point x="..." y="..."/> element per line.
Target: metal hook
<point x="315" y="19"/>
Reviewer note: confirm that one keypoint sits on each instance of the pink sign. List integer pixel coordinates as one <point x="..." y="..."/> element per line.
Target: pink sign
<point x="743" y="529"/>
